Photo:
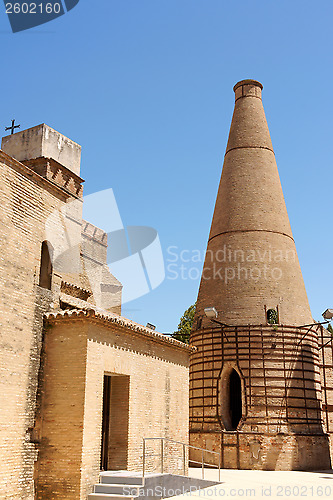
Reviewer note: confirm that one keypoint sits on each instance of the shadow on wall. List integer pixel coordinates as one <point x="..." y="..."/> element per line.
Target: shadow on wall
<point x="274" y="452"/>
<point x="303" y="445"/>
<point x="304" y="412"/>
<point x="303" y="404"/>
<point x="303" y="416"/>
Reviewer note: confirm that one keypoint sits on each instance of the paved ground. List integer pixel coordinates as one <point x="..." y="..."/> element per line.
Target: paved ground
<point x="264" y="484"/>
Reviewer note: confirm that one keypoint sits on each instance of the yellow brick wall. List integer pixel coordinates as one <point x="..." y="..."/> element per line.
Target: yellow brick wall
<point x="25" y="204"/>
<point x="78" y="353"/>
<point x="61" y="420"/>
<point x="29" y="215"/>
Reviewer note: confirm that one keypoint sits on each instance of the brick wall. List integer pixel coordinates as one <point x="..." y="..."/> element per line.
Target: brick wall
<point x="78" y="353"/>
<point x="280" y="371"/>
<point x="259" y="451"/>
<point x="26" y="201"/>
<point x="326" y="374"/>
<point x="33" y="209"/>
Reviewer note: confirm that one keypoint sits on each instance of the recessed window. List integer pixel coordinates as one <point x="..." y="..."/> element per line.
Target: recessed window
<point x="272" y="316"/>
<point x="46" y="268"/>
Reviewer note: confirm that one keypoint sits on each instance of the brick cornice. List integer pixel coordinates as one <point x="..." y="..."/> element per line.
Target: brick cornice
<point x="60" y="192"/>
<point x="56" y="173"/>
<point x="110" y="319"/>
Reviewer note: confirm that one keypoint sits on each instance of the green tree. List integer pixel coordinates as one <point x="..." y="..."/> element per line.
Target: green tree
<point x="185" y="325"/>
<point x="330" y="329"/>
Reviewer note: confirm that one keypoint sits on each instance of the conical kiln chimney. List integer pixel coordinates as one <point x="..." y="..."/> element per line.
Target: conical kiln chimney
<point x="255" y="383"/>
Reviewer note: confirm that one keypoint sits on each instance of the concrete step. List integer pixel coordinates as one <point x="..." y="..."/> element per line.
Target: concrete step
<point x="106" y="478"/>
<point x="118" y="489"/>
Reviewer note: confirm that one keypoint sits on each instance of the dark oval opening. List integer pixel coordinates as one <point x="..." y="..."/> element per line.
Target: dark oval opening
<point x="235" y="399"/>
<point x="46" y="268"/>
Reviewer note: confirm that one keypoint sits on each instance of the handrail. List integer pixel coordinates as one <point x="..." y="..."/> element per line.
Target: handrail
<point x="184" y="445"/>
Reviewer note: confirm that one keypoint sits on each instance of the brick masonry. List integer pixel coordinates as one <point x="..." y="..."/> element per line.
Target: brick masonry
<point x="251" y="260"/>
<point x="51" y="379"/>
<point x="281" y="425"/>
<point x="26" y="202"/>
<point x="79" y="351"/>
<point x="285" y="385"/>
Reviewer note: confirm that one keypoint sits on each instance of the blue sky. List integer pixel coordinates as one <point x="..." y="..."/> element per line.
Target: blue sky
<point x="145" y="86"/>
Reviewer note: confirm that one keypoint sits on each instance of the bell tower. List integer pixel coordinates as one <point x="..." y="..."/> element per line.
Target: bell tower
<point x="254" y="379"/>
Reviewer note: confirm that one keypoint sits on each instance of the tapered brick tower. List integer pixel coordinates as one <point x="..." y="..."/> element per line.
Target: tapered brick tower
<point x="255" y="382"/>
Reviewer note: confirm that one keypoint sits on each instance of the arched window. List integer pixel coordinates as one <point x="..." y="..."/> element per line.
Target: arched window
<point x="231" y="403"/>
<point x="272" y="316"/>
<point x="46" y="268"/>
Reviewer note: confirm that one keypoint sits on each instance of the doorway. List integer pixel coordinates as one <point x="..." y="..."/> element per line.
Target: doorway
<point x="230" y="398"/>
<point x="115" y="417"/>
<point x="235" y="398"/>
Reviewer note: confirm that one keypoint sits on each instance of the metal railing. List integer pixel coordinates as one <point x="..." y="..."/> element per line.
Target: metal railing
<point x="184" y="446"/>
